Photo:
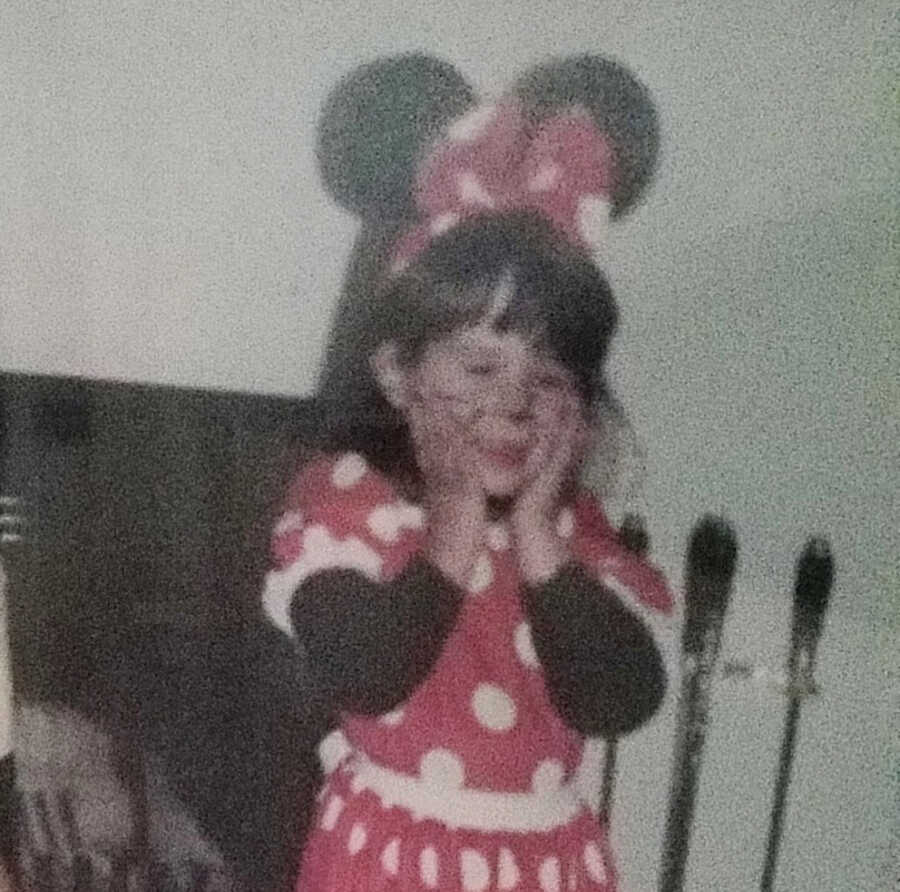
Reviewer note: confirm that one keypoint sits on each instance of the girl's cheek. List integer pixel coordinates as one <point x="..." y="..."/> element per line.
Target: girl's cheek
<point x="463" y="410"/>
<point x="555" y="411"/>
<point x="549" y="410"/>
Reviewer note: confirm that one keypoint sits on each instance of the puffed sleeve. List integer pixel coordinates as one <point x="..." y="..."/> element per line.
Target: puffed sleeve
<point x="351" y="586"/>
<point x="595" y="626"/>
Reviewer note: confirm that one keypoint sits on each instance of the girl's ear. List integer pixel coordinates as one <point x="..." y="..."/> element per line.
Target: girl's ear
<point x="375" y="125"/>
<point x="391" y="375"/>
<point x="621" y="106"/>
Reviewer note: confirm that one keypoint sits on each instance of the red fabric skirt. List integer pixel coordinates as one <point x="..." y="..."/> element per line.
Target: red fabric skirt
<point x="359" y="845"/>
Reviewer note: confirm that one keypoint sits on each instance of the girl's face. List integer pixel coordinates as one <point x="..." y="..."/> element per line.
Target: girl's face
<point x="504" y="393"/>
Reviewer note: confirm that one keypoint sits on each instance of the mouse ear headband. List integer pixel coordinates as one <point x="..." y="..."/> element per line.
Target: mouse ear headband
<point x="389" y="128"/>
<point x="395" y="135"/>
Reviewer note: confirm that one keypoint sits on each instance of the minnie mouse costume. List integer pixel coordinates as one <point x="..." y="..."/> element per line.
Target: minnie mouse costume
<point x="464" y="713"/>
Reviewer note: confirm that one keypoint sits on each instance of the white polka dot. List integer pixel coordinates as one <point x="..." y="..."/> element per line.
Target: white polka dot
<point x="290" y="522"/>
<point x="507" y="871"/>
<point x="387" y="522"/>
<point x="443" y="769"/>
<point x="392" y="718"/>
<point x="549" y="875"/>
<point x="357" y="841"/>
<point x="546" y="177"/>
<point x="482" y="575"/>
<point x="443" y="223"/>
<point x="390" y="857"/>
<point x="595" y="863"/>
<point x="497" y="537"/>
<point x="476" y="873"/>
<point x="357" y="783"/>
<point x="472" y="124"/>
<point x="428" y="867"/>
<point x="565" y="524"/>
<point x="333" y="750"/>
<point x="548" y="776"/>
<point x="493" y="707"/>
<point x="593" y="219"/>
<point x="399" y="265"/>
<point x="349" y="470"/>
<point x="332" y="813"/>
<point x="471" y="191"/>
<point x="525" y="646"/>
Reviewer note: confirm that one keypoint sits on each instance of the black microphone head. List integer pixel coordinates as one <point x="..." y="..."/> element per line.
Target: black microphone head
<point x="814" y="579"/>
<point x="713" y="549"/>
<point x="711" y="563"/>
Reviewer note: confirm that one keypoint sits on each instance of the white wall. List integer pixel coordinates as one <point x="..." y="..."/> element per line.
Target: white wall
<point x="161" y="219"/>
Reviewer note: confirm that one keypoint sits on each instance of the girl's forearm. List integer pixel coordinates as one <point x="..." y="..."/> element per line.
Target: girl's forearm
<point x="372" y="644"/>
<point x="603" y="669"/>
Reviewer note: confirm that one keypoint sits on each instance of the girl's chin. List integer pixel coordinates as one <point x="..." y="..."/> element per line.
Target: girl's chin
<point x="502" y="483"/>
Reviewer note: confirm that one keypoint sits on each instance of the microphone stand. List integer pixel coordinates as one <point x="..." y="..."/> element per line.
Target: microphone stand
<point x="814" y="578"/>
<point x="711" y="562"/>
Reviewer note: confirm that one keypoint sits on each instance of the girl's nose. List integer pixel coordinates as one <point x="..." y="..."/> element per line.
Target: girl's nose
<point x="516" y="401"/>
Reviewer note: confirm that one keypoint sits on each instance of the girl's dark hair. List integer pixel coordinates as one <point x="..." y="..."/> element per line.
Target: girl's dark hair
<point x="557" y="294"/>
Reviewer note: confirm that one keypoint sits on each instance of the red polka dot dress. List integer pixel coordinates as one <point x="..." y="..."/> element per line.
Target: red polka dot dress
<point x="471" y="784"/>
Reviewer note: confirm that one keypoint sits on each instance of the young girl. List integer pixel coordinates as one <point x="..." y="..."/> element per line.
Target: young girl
<point x="467" y="607"/>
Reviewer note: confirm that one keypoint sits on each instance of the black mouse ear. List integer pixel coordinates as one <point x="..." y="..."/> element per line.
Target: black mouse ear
<point x="375" y="124"/>
<point x="620" y="105"/>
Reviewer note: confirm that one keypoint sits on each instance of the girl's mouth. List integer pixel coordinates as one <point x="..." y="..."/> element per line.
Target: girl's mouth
<point x="510" y="456"/>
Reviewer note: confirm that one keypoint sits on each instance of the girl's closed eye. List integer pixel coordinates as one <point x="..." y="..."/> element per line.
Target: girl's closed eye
<point x="481" y="369"/>
<point x="553" y="379"/>
<point x="551" y="382"/>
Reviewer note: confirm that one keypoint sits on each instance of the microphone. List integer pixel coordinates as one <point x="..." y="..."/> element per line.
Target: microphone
<point x="812" y="591"/>
<point x="711" y="563"/>
<point x="710" y="567"/>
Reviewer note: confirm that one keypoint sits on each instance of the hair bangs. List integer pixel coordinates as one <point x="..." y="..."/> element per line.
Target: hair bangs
<point x="517" y="272"/>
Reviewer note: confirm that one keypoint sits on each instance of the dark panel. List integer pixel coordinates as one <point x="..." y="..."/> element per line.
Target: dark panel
<point x="143" y="505"/>
<point x="135" y="593"/>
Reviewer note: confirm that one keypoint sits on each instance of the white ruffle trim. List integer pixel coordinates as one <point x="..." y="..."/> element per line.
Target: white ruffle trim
<point x="462" y="808"/>
<point x="320" y="551"/>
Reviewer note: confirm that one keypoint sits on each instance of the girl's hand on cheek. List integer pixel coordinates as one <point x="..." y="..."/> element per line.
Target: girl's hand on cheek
<point x="541" y="550"/>
<point x="453" y="493"/>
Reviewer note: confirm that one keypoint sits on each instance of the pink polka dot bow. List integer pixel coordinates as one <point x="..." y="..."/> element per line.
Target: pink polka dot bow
<point x="492" y="161"/>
